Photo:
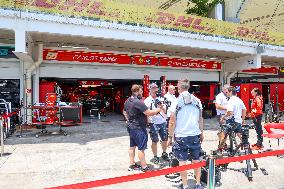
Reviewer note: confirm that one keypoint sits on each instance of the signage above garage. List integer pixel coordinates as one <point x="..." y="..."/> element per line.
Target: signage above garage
<point x="126" y="59"/>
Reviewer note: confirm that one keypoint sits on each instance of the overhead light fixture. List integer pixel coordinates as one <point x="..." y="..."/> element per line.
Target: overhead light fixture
<point x="85" y="86"/>
<point x="159" y="53"/>
<point x="80" y="47"/>
<point x="213" y="58"/>
<point x="66" y="46"/>
<point x="74" y="47"/>
<point x="149" y="52"/>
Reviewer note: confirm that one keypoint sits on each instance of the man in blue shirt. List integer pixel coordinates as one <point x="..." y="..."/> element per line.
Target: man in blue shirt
<point x="186" y="125"/>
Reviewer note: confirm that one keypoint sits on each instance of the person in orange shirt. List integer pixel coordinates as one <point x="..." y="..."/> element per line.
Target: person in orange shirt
<point x="256" y="114"/>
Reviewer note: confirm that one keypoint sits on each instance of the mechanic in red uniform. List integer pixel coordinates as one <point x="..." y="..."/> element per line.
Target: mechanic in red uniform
<point x="256" y="114"/>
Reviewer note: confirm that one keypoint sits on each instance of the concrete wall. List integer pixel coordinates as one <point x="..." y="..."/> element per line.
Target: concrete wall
<point x="9" y="69"/>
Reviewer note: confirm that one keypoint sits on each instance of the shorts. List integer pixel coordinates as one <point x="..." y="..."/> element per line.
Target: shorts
<point x="185" y="146"/>
<point x="139" y="138"/>
<point x="237" y="128"/>
<point x="159" y="129"/>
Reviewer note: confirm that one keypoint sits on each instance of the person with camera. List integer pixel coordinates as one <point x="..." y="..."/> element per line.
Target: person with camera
<point x="136" y="112"/>
<point x="158" y="123"/>
<point x="186" y="126"/>
<point x="256" y="114"/>
<point x="237" y="109"/>
<point x="221" y="108"/>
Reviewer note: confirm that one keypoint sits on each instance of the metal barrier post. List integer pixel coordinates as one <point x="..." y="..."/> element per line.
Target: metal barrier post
<point x="2" y="137"/>
<point x="211" y="172"/>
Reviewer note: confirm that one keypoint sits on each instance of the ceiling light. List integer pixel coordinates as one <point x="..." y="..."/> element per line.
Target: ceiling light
<point x="149" y="52"/>
<point x="80" y="47"/>
<point x="160" y="53"/>
<point x="74" y="47"/>
<point x="65" y="46"/>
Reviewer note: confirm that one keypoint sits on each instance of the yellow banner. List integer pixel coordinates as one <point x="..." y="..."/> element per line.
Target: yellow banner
<point x="117" y="11"/>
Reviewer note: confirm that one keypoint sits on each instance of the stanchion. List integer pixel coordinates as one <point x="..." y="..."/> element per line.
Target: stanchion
<point x="211" y="171"/>
<point x="2" y="139"/>
<point x="2" y="136"/>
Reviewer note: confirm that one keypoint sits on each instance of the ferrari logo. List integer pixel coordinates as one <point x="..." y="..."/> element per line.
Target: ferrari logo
<point x="141" y="60"/>
<point x="281" y="69"/>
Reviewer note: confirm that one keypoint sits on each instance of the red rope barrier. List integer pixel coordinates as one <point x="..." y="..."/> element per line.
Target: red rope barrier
<point x="247" y="157"/>
<point x="128" y="178"/>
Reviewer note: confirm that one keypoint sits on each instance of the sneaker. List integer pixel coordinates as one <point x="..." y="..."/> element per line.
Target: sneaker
<point x="156" y="160"/>
<point x="165" y="156"/>
<point x="134" y="167"/>
<point x="254" y="145"/>
<point x="146" y="169"/>
<point x="257" y="147"/>
<point x="199" y="186"/>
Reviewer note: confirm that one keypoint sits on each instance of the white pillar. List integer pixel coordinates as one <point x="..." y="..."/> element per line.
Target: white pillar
<point x="36" y="86"/>
<point x="219" y="12"/>
<point x="20" y="41"/>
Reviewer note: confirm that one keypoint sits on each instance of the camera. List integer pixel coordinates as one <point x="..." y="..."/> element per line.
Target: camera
<point x="157" y="102"/>
<point x="230" y="125"/>
<point x="245" y="134"/>
<point x="167" y="102"/>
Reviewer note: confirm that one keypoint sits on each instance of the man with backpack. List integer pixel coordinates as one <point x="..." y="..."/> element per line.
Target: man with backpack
<point x="186" y="126"/>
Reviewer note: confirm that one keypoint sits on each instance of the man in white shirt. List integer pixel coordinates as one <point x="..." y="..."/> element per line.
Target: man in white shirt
<point x="158" y="124"/>
<point x="222" y="101"/>
<point x="169" y="97"/>
<point x="221" y="108"/>
<point x="186" y="125"/>
<point x="235" y="108"/>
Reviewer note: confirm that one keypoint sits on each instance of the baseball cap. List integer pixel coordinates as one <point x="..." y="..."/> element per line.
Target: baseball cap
<point x="153" y="85"/>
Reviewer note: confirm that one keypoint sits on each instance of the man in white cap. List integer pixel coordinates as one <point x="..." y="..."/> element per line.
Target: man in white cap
<point x="158" y="123"/>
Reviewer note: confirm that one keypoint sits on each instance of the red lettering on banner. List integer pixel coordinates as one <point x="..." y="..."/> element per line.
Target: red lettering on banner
<point x="45" y="4"/>
<point x="97" y="8"/>
<point x="67" y="5"/>
<point x="185" y="22"/>
<point x="81" y="6"/>
<point x="196" y="24"/>
<point x="165" y="18"/>
<point x="190" y="63"/>
<point x="242" y="31"/>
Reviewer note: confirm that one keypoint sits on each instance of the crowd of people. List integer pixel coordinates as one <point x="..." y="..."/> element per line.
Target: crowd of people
<point x="178" y="122"/>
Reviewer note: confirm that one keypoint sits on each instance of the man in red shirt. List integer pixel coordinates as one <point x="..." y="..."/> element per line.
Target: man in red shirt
<point x="117" y="101"/>
<point x="256" y="114"/>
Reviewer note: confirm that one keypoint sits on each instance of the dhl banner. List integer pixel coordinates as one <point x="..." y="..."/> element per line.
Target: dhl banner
<point x="139" y="60"/>
<point x="120" y="12"/>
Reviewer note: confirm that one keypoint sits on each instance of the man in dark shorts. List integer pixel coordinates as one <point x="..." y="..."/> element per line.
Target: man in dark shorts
<point x="186" y="126"/>
<point x="136" y="113"/>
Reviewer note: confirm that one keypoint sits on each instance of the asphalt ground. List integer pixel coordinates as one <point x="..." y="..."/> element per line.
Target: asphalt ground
<point x="99" y="149"/>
